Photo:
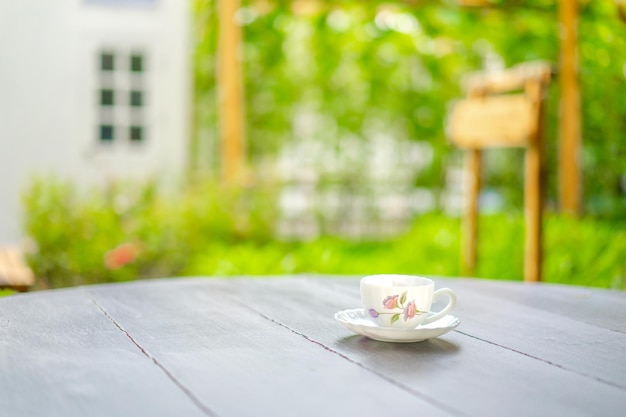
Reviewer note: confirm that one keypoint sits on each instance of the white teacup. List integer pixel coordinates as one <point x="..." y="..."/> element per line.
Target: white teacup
<point x="402" y="301"/>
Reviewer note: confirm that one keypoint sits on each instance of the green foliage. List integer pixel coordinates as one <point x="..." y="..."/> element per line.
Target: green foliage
<point x="431" y="247"/>
<point x="209" y="230"/>
<point x="603" y="81"/>
<point x="592" y="251"/>
<point x="587" y="252"/>
<point x="142" y="232"/>
<point x="365" y="67"/>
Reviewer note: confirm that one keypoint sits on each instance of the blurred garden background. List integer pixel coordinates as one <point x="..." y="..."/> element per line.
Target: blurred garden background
<point x="348" y="169"/>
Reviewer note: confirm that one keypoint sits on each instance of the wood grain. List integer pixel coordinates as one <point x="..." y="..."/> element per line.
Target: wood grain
<point x="239" y="347"/>
<point x="510" y="318"/>
<point x="241" y="362"/>
<point x="61" y="356"/>
<point x="599" y="307"/>
<point x="527" y="348"/>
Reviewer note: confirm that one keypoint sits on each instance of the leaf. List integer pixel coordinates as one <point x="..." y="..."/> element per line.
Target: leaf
<point x="395" y="318"/>
<point x="403" y="298"/>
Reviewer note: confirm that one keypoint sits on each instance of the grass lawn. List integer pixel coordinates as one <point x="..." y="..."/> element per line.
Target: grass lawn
<point x="578" y="252"/>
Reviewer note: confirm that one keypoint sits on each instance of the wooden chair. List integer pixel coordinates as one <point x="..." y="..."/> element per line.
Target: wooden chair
<point x="504" y="109"/>
<point x="14" y="272"/>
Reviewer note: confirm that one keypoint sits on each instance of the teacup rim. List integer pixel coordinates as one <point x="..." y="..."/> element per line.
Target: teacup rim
<point x="424" y="280"/>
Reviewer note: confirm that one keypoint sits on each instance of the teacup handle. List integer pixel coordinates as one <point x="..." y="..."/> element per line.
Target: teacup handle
<point x="451" y="304"/>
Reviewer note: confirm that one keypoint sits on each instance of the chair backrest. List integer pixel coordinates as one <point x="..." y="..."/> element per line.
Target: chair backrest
<point x="503" y="109"/>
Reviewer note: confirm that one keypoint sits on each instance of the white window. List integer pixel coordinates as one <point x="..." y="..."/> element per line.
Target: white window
<point x="121" y="97"/>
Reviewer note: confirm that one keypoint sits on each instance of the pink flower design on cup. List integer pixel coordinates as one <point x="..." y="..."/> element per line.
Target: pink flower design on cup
<point x="397" y="301"/>
<point x="391" y="302"/>
<point x="409" y="311"/>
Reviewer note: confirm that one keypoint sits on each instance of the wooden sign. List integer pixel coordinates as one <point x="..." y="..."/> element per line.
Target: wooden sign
<point x="505" y="120"/>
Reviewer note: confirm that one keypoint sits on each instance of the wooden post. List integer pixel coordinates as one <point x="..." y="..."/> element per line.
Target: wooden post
<point x="470" y="221"/>
<point x="230" y="92"/>
<point x="473" y="163"/>
<point x="533" y="190"/>
<point x="532" y="212"/>
<point x="569" y="146"/>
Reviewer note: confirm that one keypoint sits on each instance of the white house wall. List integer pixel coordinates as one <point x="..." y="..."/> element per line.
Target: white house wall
<point x="49" y="81"/>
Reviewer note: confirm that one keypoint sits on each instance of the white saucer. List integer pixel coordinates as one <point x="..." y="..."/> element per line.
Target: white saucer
<point x="358" y="321"/>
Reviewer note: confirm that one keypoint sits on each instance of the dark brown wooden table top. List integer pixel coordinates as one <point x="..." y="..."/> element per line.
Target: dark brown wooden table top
<point x="271" y="347"/>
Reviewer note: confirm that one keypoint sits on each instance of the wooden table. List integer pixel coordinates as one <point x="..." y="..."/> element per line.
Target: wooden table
<point x="271" y="347"/>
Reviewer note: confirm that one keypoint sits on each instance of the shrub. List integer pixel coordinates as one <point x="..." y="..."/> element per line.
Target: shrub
<point x="133" y="231"/>
<point x="129" y="232"/>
